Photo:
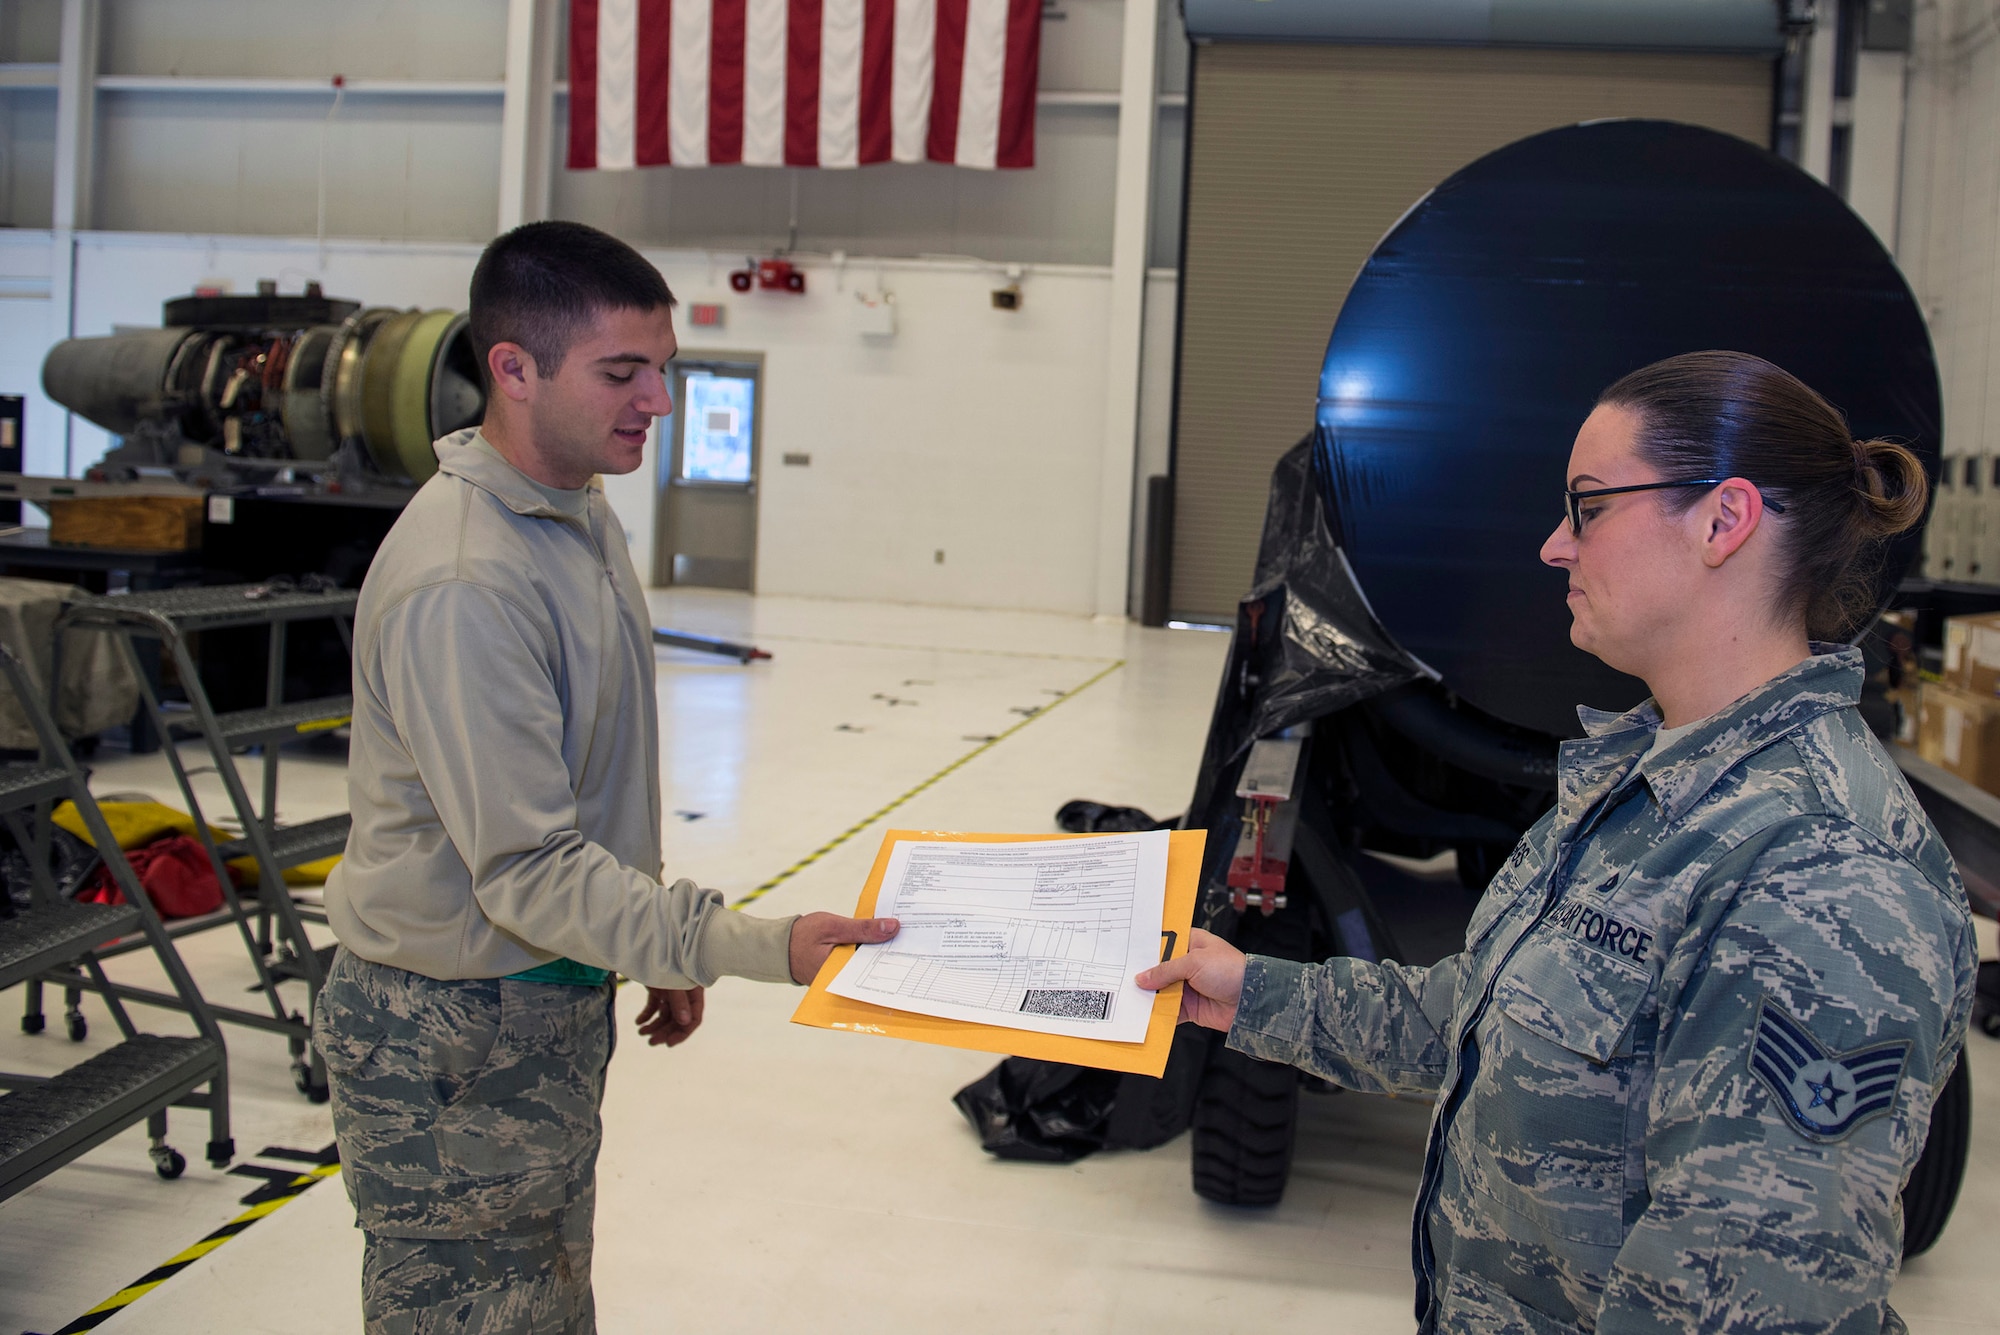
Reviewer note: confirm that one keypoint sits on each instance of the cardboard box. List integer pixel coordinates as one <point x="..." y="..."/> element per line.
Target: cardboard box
<point x="1972" y="653"/>
<point x="134" y="523"/>
<point x="1961" y="731"/>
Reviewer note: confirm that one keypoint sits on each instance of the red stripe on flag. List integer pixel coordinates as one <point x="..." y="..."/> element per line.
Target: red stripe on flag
<point x="650" y="146"/>
<point x="725" y="80"/>
<point x="950" y="74"/>
<point x="1016" y="147"/>
<point x="878" y="52"/>
<point x="802" y="84"/>
<point x="582" y="85"/>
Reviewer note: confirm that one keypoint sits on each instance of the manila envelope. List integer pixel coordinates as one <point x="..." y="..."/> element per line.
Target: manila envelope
<point x="827" y="1011"/>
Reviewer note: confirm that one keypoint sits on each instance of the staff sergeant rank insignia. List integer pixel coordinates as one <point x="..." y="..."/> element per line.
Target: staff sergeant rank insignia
<point x="1824" y="1095"/>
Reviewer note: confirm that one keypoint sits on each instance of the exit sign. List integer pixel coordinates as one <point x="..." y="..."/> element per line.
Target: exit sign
<point x="707" y="314"/>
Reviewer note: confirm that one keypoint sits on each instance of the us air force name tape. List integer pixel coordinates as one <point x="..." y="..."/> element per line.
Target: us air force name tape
<point x="1602" y="930"/>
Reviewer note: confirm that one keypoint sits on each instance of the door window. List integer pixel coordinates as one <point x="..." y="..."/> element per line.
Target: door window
<point x="717" y="424"/>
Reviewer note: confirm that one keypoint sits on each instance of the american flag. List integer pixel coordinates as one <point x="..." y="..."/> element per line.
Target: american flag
<point x="802" y="83"/>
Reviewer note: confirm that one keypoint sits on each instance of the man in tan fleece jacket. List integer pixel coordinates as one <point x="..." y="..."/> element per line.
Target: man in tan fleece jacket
<point x="505" y="860"/>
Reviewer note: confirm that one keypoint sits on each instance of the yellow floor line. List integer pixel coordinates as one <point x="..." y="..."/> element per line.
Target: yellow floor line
<point x="160" y="1274"/>
<point x="953" y="767"/>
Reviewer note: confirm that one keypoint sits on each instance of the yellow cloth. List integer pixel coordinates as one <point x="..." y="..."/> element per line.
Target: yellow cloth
<point x="134" y="824"/>
<point x="310" y="873"/>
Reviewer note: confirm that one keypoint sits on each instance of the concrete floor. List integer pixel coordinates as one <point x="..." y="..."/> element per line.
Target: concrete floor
<point x="767" y="1176"/>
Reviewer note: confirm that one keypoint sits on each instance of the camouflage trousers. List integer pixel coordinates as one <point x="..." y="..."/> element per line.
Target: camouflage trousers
<point x="467" y="1118"/>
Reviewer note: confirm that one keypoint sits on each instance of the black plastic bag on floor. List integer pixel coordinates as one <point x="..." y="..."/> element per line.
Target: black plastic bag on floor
<point x="71" y="862"/>
<point x="1086" y="817"/>
<point x="1043" y="1112"/>
<point x="1050" y="1112"/>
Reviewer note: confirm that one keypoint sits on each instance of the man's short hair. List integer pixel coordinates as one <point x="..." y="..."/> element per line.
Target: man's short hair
<point x="542" y="284"/>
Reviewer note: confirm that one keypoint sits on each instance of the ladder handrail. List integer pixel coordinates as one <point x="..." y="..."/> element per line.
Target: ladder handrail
<point x="56" y="753"/>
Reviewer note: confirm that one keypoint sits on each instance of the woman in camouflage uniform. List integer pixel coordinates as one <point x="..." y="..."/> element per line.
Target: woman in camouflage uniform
<point x="1686" y="1061"/>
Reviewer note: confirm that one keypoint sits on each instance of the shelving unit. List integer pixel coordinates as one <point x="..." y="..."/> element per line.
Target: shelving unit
<point x="49" y="1121"/>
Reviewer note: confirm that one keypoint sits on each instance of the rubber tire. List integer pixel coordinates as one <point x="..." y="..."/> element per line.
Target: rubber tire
<point x="1246" y="1118"/>
<point x="34" y="1024"/>
<point x="1933" y="1186"/>
<point x="171" y="1166"/>
<point x="79" y="1028"/>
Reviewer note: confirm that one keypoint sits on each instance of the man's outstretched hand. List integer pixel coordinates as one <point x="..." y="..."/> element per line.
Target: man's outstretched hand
<point x="816" y="934"/>
<point x="671" y="1014"/>
<point x="1213" y="972"/>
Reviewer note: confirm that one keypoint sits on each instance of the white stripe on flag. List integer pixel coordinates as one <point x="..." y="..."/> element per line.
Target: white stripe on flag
<point x="687" y="85"/>
<point x="979" y="87"/>
<point x="911" y="74"/>
<point x="617" y="82"/>
<point x="840" y="83"/>
<point x="764" y="45"/>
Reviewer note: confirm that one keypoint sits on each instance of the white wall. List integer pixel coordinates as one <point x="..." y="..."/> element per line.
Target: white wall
<point x="973" y="431"/>
<point x="1949" y="227"/>
<point x="1875" y="163"/>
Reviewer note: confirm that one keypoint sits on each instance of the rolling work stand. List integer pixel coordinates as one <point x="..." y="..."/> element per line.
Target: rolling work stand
<point x="273" y="929"/>
<point x="46" y="1122"/>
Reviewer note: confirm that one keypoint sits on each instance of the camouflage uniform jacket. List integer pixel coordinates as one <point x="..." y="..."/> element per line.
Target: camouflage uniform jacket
<point x="1686" y="1061"/>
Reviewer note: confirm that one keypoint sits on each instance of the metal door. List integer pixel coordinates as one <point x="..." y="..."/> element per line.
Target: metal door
<point x="708" y="500"/>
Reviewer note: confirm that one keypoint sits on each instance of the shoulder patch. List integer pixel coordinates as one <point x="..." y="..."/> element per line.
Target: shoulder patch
<point x="1823" y="1095"/>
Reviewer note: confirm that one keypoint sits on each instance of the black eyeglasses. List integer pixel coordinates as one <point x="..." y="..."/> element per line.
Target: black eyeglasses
<point x="1573" y="500"/>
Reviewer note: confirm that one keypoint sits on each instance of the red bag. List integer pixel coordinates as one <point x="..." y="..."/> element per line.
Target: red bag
<point x="175" y="873"/>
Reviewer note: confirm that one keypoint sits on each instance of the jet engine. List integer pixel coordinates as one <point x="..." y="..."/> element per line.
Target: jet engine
<point x="235" y="385"/>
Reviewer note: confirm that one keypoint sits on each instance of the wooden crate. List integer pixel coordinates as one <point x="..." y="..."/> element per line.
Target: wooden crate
<point x="132" y="523"/>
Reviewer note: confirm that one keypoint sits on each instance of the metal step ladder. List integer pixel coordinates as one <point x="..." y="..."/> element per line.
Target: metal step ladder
<point x="48" y="1121"/>
<point x="271" y="924"/>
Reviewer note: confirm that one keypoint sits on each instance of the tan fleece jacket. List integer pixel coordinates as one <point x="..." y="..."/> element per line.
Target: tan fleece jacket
<point x="504" y="770"/>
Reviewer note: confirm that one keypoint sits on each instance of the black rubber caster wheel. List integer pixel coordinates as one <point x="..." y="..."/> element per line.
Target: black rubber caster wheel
<point x="79" y="1028"/>
<point x="34" y="1024"/>
<point x="1989" y="1024"/>
<point x="315" y="1091"/>
<point x="169" y="1163"/>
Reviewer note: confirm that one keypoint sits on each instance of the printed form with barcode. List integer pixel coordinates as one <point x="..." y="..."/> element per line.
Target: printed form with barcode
<point x="1045" y="935"/>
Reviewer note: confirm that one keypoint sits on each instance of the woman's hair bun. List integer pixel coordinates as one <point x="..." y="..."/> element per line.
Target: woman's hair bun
<point x="1892" y="487"/>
